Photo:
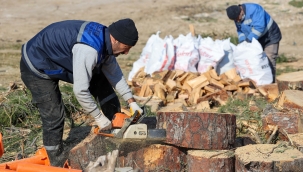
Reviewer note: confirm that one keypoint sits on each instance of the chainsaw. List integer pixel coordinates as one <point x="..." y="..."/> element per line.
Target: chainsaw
<point x="125" y="126"/>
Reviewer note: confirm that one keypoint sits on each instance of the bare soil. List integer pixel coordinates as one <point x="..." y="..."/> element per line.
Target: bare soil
<point x="20" y="20"/>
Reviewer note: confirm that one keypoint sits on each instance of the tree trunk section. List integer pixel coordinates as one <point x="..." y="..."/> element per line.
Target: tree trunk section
<point x="208" y="131"/>
<point x="267" y="158"/>
<point x="291" y="122"/>
<point x="215" y="161"/>
<point x="155" y="157"/>
<point x="290" y="81"/>
<point x="291" y="99"/>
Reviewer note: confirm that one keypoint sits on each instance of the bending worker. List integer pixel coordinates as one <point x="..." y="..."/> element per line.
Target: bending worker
<point x="83" y="53"/>
<point x="252" y="21"/>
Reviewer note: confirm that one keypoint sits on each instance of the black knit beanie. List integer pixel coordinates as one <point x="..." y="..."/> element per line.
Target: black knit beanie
<point x="124" y="31"/>
<point x="233" y="12"/>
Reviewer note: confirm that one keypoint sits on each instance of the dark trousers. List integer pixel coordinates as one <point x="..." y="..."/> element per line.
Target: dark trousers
<point x="47" y="97"/>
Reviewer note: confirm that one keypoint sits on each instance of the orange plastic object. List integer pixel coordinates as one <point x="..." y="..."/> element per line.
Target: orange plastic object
<point x="39" y="158"/>
<point x="28" y="167"/>
<point x="118" y="120"/>
<point x="1" y="146"/>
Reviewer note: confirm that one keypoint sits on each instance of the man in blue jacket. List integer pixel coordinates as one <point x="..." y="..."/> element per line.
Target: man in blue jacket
<point x="252" y="21"/>
<point x="83" y="53"/>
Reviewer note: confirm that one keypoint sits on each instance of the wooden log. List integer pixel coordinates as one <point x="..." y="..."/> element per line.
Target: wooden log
<point x="297" y="140"/>
<point x="268" y="157"/>
<point x="290" y="81"/>
<point x="270" y="91"/>
<point x="198" y="130"/>
<point x="154" y="158"/>
<point x="290" y="121"/>
<point x="204" y="161"/>
<point x="171" y="84"/>
<point x="214" y="75"/>
<point x="196" y="81"/>
<point x="291" y="99"/>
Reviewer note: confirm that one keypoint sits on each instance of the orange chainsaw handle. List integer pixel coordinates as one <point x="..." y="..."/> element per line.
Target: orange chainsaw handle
<point x="96" y="131"/>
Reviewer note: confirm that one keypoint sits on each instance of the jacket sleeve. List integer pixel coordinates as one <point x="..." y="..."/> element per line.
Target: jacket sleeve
<point x="114" y="75"/>
<point x="241" y="35"/>
<point x="84" y="60"/>
<point x="258" y="23"/>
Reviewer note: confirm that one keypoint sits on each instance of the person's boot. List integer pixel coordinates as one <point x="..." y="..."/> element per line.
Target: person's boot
<point x="57" y="157"/>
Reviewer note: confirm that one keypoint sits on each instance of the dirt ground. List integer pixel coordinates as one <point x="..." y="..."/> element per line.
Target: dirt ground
<point x="20" y="20"/>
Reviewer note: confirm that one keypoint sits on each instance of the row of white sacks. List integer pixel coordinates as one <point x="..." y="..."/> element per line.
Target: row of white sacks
<point x="197" y="54"/>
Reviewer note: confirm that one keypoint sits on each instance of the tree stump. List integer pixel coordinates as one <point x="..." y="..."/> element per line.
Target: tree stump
<point x="268" y="157"/>
<point x="155" y="157"/>
<point x="291" y="99"/>
<point x="290" y="81"/>
<point x="291" y="122"/>
<point x="215" y="161"/>
<point x="208" y="131"/>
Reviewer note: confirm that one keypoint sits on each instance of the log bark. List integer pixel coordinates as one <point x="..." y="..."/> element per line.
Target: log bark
<point x="290" y="122"/>
<point x="290" y="81"/>
<point x="215" y="161"/>
<point x="198" y="130"/>
<point x="154" y="158"/>
<point x="268" y="157"/>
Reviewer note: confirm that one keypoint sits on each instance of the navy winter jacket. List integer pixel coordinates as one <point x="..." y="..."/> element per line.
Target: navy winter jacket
<point x="49" y="53"/>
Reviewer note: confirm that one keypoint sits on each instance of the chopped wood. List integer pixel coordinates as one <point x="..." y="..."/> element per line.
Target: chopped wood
<point x="204" y="105"/>
<point x="171" y="84"/>
<point x="171" y="96"/>
<point x="272" y="135"/>
<point x="231" y="88"/>
<point x="187" y="87"/>
<point x="160" y="75"/>
<point x="216" y="83"/>
<point x="270" y="91"/>
<point x="244" y="84"/>
<point x="192" y="30"/>
<point x="231" y="74"/>
<point x="196" y="81"/>
<point x="210" y="88"/>
<point x="214" y="74"/>
<point x="176" y="107"/>
<point x="160" y="92"/>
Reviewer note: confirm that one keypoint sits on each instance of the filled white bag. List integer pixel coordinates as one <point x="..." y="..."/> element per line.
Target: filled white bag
<point x="145" y="55"/>
<point x="211" y="53"/>
<point x="187" y="55"/>
<point x="227" y="62"/>
<point x="251" y="62"/>
<point x="162" y="55"/>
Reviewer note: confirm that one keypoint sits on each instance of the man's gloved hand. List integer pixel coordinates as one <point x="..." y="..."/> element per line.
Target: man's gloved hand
<point x="247" y="40"/>
<point x="133" y="107"/>
<point x="103" y="122"/>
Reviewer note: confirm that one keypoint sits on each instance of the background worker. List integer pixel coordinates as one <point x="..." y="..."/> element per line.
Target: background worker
<point x="83" y="53"/>
<point x="252" y="21"/>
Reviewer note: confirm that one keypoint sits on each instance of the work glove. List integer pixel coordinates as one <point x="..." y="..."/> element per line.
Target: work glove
<point x="133" y="107"/>
<point x="247" y="40"/>
<point x="103" y="122"/>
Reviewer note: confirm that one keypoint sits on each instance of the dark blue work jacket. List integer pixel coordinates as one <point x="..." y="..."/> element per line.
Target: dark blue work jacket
<point x="49" y="53"/>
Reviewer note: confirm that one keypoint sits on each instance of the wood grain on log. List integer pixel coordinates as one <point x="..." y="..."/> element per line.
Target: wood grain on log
<point x="290" y="81"/>
<point x="155" y="158"/>
<point x="268" y="157"/>
<point x="205" y="161"/>
<point x="291" y="99"/>
<point x="198" y="130"/>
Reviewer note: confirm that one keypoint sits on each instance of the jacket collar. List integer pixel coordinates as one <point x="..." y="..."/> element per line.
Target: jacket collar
<point x="108" y="44"/>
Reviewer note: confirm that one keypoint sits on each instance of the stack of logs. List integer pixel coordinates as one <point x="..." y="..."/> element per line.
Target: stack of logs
<point x="200" y="91"/>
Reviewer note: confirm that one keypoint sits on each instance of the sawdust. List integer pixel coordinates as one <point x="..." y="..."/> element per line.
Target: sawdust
<point x="153" y="154"/>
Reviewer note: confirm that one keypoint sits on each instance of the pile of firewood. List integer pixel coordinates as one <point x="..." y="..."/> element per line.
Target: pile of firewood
<point x="194" y="89"/>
